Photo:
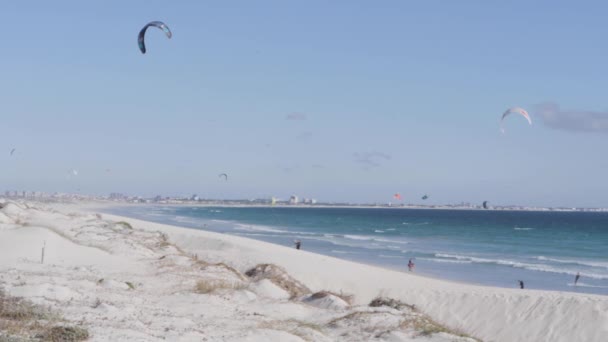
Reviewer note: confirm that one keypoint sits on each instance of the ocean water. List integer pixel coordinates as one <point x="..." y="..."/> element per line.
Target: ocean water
<point x="497" y="248"/>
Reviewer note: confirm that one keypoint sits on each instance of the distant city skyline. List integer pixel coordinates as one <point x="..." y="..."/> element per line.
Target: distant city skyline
<point x="340" y="101"/>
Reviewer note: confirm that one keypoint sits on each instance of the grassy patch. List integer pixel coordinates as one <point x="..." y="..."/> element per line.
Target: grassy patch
<point x="390" y="302"/>
<point x="21" y="320"/>
<point x="18" y="309"/>
<point x="66" y="334"/>
<point x="124" y="224"/>
<point x="348" y="298"/>
<point x="163" y="240"/>
<point x="222" y="265"/>
<point x="425" y="326"/>
<point x="294" y="327"/>
<point x="279" y="277"/>
<point x="212" y="285"/>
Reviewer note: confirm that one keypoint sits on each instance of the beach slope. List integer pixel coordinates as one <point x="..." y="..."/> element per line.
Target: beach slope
<point x="126" y="279"/>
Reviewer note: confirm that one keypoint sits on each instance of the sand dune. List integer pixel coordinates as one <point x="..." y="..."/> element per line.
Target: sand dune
<point x="157" y="282"/>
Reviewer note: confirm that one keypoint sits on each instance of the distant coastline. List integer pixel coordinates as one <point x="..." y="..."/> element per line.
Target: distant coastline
<point x="118" y="198"/>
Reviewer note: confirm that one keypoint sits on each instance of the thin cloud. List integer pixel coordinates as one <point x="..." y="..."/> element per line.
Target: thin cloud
<point x="370" y="159"/>
<point x="296" y="116"/>
<point x="304" y="136"/>
<point x="572" y="120"/>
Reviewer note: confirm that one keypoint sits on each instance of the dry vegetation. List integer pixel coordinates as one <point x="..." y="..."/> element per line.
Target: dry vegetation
<point x="348" y="298"/>
<point x="21" y="321"/>
<point x="390" y="302"/>
<point x="279" y="277"/>
<point x="124" y="224"/>
<point x="425" y="326"/>
<point x="304" y="330"/>
<point x="224" y="266"/>
<point x="207" y="286"/>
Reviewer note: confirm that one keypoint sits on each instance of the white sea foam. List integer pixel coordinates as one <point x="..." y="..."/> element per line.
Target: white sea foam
<point x="336" y="251"/>
<point x="391" y="256"/>
<point x="257" y="228"/>
<point x="379" y="231"/>
<point x="579" y="284"/>
<point x="359" y="237"/>
<point x="523" y="228"/>
<point x="575" y="262"/>
<point x="517" y="264"/>
<point x="447" y="261"/>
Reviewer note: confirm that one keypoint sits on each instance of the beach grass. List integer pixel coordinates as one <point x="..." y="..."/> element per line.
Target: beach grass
<point x="207" y="286"/>
<point x="21" y="319"/>
<point x="278" y="276"/>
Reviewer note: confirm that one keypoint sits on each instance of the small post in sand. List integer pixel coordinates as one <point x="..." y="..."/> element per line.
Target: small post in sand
<point x="42" y="258"/>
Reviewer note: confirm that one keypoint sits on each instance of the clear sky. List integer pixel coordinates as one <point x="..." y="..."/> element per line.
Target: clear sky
<point x="336" y="100"/>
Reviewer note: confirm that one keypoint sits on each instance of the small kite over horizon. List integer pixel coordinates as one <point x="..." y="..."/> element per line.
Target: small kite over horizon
<point x="515" y="110"/>
<point x="141" y="37"/>
<point x="223" y="175"/>
<point x="13" y="151"/>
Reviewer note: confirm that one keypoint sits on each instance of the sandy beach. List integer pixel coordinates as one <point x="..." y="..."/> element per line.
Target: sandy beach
<point x="124" y="279"/>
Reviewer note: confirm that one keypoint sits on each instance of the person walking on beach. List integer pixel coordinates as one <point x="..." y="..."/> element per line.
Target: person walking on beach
<point x="521" y="284"/>
<point x="578" y="276"/>
<point x="298" y="244"/>
<point x="411" y="265"/>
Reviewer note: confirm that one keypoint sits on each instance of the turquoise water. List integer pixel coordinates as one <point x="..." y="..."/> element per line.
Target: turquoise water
<point x="544" y="249"/>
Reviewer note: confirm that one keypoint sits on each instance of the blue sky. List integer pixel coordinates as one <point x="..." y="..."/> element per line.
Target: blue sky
<point x="341" y="100"/>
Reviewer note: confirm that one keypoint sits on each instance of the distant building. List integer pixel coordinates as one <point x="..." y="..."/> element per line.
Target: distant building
<point x="293" y="199"/>
<point x="309" y="201"/>
<point x="194" y="197"/>
<point x="117" y="196"/>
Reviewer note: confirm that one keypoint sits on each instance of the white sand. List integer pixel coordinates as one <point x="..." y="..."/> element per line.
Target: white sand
<point x="89" y="260"/>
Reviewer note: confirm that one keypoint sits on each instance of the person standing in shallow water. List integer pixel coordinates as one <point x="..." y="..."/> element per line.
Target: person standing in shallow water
<point x="298" y="244"/>
<point x="521" y="284"/>
<point x="411" y="265"/>
<point x="578" y="276"/>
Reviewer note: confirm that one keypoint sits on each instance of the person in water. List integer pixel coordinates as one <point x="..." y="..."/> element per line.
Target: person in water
<point x="411" y="265"/>
<point x="298" y="244"/>
<point x="521" y="284"/>
<point x="578" y="276"/>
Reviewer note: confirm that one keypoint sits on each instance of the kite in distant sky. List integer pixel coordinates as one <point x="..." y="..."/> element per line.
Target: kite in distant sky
<point x="142" y="33"/>
<point x="515" y="110"/>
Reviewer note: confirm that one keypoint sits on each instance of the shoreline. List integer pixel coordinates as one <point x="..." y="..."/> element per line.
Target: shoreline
<point x="156" y="259"/>
<point x="438" y="273"/>
<point x="447" y="301"/>
<point x="323" y="206"/>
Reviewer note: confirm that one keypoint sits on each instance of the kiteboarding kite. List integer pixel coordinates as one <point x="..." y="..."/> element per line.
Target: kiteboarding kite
<point x="425" y="197"/>
<point x="485" y="204"/>
<point x="142" y="33"/>
<point x="12" y="151"/>
<point x="515" y="110"/>
<point x="397" y="197"/>
<point x="223" y="175"/>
